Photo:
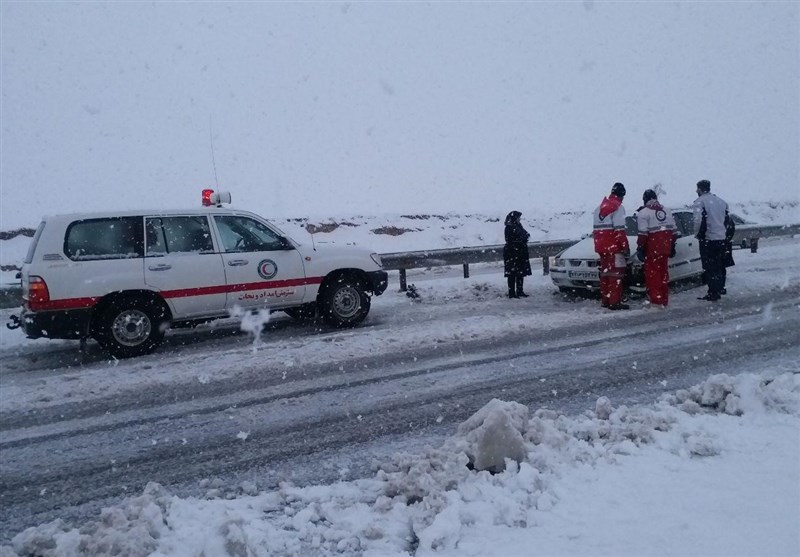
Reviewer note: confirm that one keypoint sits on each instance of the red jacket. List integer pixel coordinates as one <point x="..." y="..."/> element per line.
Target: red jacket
<point x="609" y="227"/>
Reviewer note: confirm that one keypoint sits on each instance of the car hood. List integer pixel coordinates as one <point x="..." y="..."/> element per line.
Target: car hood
<point x="322" y="258"/>
<point x="321" y="248"/>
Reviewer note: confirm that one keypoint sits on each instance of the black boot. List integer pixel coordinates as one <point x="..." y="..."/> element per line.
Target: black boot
<point x="520" y="293"/>
<point x="512" y="291"/>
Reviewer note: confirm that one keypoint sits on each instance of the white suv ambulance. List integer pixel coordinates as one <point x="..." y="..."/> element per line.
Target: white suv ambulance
<point x="123" y="278"/>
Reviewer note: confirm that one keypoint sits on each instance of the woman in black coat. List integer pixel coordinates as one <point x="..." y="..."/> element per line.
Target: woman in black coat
<point x="515" y="255"/>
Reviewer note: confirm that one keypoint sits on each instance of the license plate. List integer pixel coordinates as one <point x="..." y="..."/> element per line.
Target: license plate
<point x="583" y="275"/>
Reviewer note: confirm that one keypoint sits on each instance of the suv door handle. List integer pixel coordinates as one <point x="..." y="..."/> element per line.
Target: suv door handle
<point x="160" y="267"/>
<point x="238" y="262"/>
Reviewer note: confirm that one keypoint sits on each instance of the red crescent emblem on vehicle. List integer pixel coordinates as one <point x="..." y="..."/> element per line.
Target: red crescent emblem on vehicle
<point x="267" y="269"/>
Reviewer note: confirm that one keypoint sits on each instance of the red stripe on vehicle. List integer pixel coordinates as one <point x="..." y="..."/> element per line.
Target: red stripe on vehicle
<point x="241" y="287"/>
<point x="83" y="303"/>
<point x="67" y="303"/>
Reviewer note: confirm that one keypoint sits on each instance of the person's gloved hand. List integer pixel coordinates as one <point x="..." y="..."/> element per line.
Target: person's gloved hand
<point x="640" y="255"/>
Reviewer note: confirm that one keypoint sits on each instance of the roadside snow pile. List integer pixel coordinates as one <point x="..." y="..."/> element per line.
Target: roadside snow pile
<point x="500" y="477"/>
<point x="131" y="529"/>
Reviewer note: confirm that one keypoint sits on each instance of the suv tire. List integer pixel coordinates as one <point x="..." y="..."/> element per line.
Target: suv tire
<point x="131" y="327"/>
<point x="344" y="303"/>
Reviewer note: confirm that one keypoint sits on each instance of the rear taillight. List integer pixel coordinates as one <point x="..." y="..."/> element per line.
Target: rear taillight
<point x="38" y="294"/>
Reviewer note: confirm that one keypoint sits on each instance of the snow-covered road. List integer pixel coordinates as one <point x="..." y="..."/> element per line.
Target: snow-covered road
<point x="313" y="406"/>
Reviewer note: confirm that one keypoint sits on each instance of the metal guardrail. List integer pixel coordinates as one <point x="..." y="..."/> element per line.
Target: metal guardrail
<point x="749" y="232"/>
<point x="747" y="236"/>
<point x="402" y="261"/>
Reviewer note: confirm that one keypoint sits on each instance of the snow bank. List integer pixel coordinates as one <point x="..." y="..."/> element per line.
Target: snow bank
<point x="440" y="502"/>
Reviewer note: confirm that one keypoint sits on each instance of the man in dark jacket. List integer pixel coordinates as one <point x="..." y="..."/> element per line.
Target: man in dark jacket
<point x="710" y="215"/>
<point x="516" y="259"/>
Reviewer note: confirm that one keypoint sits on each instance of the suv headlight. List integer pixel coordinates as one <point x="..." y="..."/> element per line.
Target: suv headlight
<point x="558" y="262"/>
<point x="376" y="257"/>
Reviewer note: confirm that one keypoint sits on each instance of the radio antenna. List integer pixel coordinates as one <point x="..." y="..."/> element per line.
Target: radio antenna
<point x="213" y="160"/>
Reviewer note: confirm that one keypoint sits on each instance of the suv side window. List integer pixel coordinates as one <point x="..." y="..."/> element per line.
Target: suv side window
<point x="166" y="235"/>
<point x="108" y="238"/>
<point x="242" y="234"/>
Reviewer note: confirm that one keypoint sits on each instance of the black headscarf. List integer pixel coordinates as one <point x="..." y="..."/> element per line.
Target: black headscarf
<point x="513" y="218"/>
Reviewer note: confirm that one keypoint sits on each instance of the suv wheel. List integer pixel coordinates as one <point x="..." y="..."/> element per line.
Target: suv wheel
<point x="345" y="303"/>
<point x="131" y="327"/>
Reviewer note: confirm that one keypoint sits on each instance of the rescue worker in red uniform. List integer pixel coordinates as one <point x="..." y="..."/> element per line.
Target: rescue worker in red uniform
<point x="611" y="243"/>
<point x="654" y="246"/>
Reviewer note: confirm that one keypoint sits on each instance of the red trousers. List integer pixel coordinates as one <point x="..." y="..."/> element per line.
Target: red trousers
<point x="656" y="278"/>
<point x="610" y="279"/>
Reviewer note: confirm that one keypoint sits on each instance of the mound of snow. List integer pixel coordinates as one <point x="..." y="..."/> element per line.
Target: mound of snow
<point x="435" y="502"/>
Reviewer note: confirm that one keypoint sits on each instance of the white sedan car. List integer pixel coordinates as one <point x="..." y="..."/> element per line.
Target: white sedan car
<point x="577" y="267"/>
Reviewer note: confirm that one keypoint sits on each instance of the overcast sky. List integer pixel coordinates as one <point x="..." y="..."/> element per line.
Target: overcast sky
<point x="320" y="109"/>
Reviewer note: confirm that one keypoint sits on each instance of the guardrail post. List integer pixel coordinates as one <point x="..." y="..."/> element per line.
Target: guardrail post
<point x="545" y="265"/>
<point x="402" y="280"/>
<point x="466" y="270"/>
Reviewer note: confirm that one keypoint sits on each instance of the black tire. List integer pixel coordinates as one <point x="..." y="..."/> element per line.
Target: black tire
<point x="131" y="327"/>
<point x="305" y="313"/>
<point x="344" y="303"/>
